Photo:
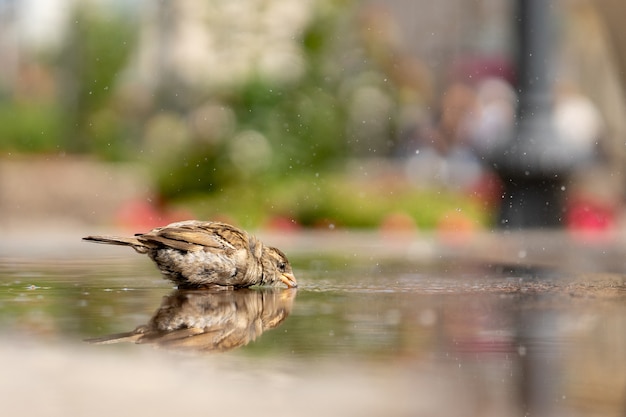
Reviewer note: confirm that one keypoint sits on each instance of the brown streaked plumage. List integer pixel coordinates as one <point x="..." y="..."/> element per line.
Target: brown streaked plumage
<point x="197" y="254"/>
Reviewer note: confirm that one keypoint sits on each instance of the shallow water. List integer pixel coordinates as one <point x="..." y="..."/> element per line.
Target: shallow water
<point x="362" y="335"/>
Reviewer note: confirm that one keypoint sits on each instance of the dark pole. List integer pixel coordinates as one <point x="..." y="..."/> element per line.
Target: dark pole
<point x="534" y="165"/>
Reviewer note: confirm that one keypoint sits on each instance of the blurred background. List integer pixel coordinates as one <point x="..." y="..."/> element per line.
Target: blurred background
<point x="394" y="115"/>
<point x="436" y="119"/>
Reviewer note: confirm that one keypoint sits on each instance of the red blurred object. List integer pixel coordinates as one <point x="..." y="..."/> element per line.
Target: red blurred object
<point x="473" y="69"/>
<point x="398" y="222"/>
<point x="590" y="217"/>
<point x="139" y="215"/>
<point x="282" y="223"/>
<point x="488" y="190"/>
<point x="456" y="228"/>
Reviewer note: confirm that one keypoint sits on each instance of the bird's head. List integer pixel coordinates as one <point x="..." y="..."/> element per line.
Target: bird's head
<point x="276" y="268"/>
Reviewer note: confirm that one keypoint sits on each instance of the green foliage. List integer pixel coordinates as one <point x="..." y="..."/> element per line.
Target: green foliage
<point x="303" y="123"/>
<point x="199" y="170"/>
<point x="30" y="127"/>
<point x="96" y="51"/>
<point x="79" y="115"/>
<point x="313" y="201"/>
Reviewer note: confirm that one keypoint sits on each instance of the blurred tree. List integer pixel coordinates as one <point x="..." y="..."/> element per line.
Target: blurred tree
<point x="282" y="127"/>
<point x="96" y="51"/>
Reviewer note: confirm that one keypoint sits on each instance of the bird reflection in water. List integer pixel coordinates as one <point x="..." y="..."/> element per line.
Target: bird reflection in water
<point x="210" y="320"/>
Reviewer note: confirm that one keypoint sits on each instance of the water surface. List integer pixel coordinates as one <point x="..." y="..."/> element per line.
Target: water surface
<point x="451" y="333"/>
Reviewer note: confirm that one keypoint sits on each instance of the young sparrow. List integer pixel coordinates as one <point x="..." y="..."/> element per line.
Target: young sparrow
<point x="196" y="254"/>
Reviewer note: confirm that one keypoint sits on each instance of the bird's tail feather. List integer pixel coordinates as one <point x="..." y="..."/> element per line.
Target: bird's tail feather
<point x="115" y="338"/>
<point x="113" y="240"/>
<point x="121" y="241"/>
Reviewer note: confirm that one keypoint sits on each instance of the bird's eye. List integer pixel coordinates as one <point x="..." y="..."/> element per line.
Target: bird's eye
<point x="282" y="266"/>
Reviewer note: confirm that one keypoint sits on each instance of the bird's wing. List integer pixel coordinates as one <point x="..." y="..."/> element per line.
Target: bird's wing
<point x="197" y="236"/>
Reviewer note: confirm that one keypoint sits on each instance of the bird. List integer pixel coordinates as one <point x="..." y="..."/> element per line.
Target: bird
<point x="209" y="320"/>
<point x="205" y="254"/>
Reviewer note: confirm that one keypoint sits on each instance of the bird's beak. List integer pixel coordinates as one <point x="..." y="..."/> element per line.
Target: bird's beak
<point x="289" y="280"/>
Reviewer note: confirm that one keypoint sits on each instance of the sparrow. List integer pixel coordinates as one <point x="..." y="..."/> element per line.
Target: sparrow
<point x="210" y="319"/>
<point x="197" y="254"/>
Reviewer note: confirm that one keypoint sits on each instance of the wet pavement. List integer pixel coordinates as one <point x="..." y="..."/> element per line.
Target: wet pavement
<point x="410" y="325"/>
